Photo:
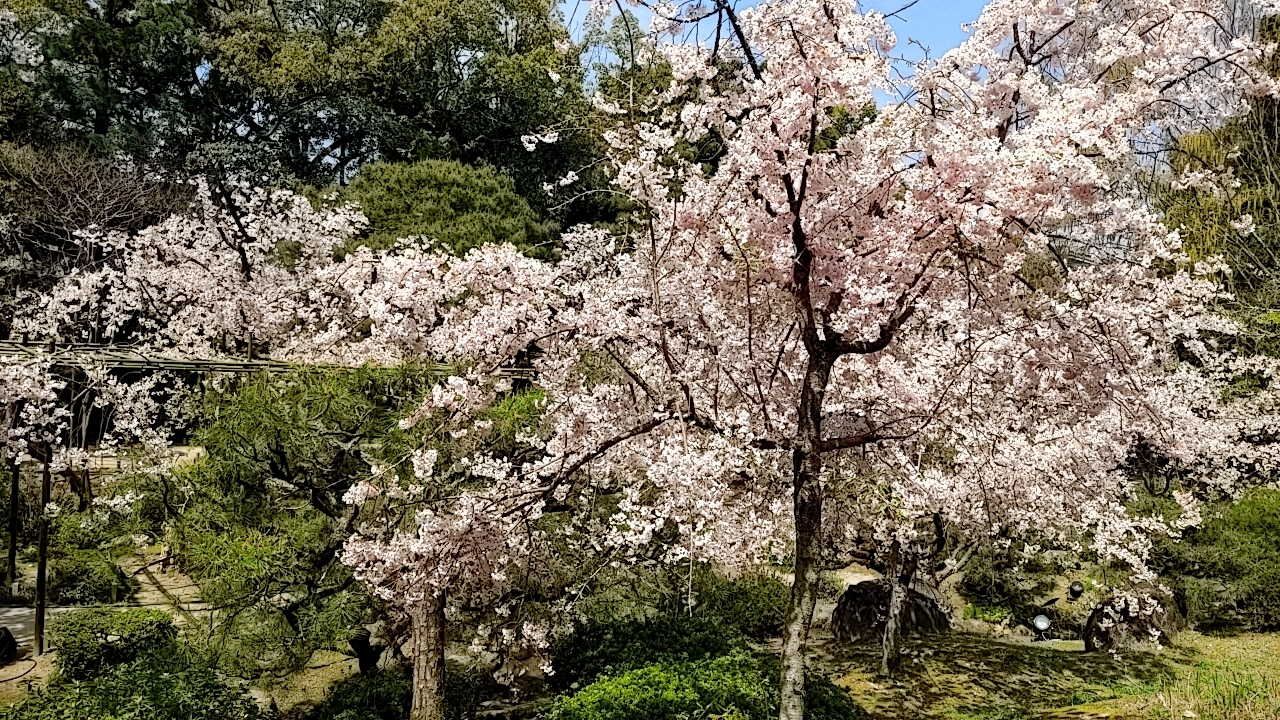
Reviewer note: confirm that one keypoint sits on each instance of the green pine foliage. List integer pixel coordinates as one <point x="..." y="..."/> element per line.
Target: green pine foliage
<point x="259" y="522"/>
<point x="453" y="206"/>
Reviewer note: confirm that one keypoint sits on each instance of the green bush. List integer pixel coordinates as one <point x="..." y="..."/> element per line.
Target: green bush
<point x="732" y="686"/>
<point x="736" y="686"/>
<point x="388" y="695"/>
<point x="1226" y="573"/>
<point x="77" y="531"/>
<point x="158" y="687"/>
<point x="755" y="603"/>
<point x="824" y="700"/>
<point x="998" y="588"/>
<point x="612" y="648"/>
<point x="91" y="641"/>
<point x="85" y="577"/>
<point x="385" y="695"/>
<point x="1258" y="601"/>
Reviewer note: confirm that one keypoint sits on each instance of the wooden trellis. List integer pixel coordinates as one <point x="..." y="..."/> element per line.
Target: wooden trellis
<point x="97" y="355"/>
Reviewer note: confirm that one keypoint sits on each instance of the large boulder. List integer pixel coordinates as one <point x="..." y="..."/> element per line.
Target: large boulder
<point x="863" y="609"/>
<point x="1132" y="619"/>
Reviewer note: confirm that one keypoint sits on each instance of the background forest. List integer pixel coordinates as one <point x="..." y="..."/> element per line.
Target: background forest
<point x="221" y="531"/>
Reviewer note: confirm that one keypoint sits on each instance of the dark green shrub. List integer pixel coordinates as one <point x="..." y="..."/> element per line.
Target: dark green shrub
<point x="991" y="580"/>
<point x="824" y="700"/>
<point x="755" y="603"/>
<point x="388" y="695"/>
<point x="613" y="648"/>
<point x="91" y="641"/>
<point x="385" y="695"/>
<point x="1258" y="602"/>
<point x="72" y="532"/>
<point x="1226" y="573"/>
<point x="457" y="206"/>
<point x="159" y="687"/>
<point x="999" y="588"/>
<point x="85" y="577"/>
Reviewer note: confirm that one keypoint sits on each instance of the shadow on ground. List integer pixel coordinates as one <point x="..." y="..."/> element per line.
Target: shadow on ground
<point x="962" y="676"/>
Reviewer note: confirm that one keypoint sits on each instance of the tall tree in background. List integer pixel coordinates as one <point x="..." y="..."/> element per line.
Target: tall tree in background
<point x="303" y="92"/>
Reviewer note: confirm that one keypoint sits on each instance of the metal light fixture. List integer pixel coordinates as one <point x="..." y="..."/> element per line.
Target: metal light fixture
<point x="1075" y="591"/>
<point x="1041" y="623"/>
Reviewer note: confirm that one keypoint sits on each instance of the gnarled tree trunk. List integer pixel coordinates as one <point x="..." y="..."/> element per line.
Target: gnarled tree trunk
<point x="890" y="653"/>
<point x="427" y="627"/>
<point x="807" y="489"/>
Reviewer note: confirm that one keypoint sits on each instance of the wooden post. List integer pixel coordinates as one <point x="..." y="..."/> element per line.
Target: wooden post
<point x="11" y="570"/>
<point x="15" y="470"/>
<point x="42" y="558"/>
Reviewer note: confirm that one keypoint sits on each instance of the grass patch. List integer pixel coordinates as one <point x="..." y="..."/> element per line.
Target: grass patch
<point x="1214" y="695"/>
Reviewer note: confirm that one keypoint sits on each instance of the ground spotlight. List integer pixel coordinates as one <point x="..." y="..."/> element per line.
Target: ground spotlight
<point x="1075" y="591"/>
<point x="1042" y="623"/>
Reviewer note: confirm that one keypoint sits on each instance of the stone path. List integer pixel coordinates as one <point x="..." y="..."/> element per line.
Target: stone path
<point x="168" y="590"/>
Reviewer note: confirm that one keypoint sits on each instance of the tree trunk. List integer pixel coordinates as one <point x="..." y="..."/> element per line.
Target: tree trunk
<point x="807" y="490"/>
<point x="890" y="652"/>
<point x="15" y="490"/>
<point x="428" y="661"/>
<point x="42" y="555"/>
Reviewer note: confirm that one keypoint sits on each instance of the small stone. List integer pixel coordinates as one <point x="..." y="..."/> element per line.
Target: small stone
<point x="1189" y="714"/>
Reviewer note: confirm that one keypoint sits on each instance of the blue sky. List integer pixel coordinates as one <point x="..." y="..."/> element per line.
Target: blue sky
<point x="934" y="23"/>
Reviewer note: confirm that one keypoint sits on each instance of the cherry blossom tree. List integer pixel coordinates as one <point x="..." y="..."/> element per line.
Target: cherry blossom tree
<point x="966" y="294"/>
<point x="791" y="303"/>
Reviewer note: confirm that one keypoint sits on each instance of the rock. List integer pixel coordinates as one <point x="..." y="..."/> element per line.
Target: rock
<point x="8" y="646"/>
<point x="367" y="653"/>
<point x="1132" y="619"/>
<point x="862" y="610"/>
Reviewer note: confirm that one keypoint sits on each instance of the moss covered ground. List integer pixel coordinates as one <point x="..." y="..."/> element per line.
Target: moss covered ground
<point x="967" y="677"/>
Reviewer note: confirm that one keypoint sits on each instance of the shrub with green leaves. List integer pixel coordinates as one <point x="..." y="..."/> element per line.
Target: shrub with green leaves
<point x="164" y="686"/>
<point x="755" y="603"/>
<point x="1226" y="573"/>
<point x="85" y="577"/>
<point x="736" y="685"/>
<point x="612" y="648"/>
<point x="824" y="700"/>
<point x="92" y="641"/>
<point x="77" y="531"/>
<point x="998" y="587"/>
<point x="731" y="686"/>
